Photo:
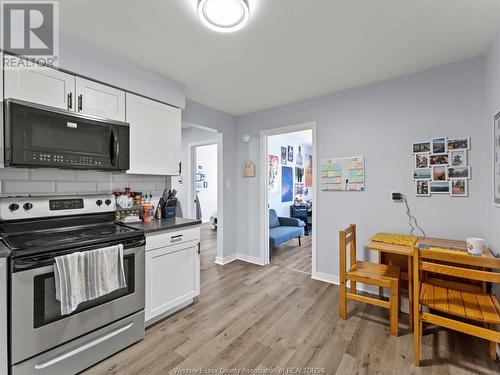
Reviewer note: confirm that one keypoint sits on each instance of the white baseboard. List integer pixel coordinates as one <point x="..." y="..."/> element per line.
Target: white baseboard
<point x="251" y="259"/>
<point x="334" y="279"/>
<point x="326" y="277"/>
<point x="238" y="256"/>
<point x="226" y="260"/>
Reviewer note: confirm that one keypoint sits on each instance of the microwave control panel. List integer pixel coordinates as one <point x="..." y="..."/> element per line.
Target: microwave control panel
<point x="54" y="158"/>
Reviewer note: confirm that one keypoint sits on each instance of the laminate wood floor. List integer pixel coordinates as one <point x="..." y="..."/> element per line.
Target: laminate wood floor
<point x="277" y="317"/>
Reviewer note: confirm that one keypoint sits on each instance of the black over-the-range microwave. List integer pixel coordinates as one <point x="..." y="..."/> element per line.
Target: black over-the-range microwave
<point x="40" y="136"/>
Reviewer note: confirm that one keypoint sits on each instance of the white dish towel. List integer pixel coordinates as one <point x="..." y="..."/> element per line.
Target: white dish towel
<point x="87" y="275"/>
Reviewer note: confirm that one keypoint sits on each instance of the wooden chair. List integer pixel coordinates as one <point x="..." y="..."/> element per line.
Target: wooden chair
<point x="380" y="275"/>
<point x="468" y="310"/>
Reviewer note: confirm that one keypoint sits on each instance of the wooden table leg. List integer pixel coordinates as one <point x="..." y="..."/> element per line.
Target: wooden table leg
<point x="380" y="288"/>
<point x="410" y="293"/>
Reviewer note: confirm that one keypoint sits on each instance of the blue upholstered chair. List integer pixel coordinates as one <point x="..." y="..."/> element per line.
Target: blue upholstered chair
<point x="282" y="229"/>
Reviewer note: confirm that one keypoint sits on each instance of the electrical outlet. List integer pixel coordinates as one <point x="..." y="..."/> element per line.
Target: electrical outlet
<point x="394" y="197"/>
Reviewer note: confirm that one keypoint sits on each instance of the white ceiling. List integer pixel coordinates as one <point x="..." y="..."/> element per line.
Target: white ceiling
<point x="291" y="49"/>
<point x="303" y="137"/>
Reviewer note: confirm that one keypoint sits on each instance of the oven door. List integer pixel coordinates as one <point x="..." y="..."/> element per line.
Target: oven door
<point x="37" y="324"/>
<point x="47" y="137"/>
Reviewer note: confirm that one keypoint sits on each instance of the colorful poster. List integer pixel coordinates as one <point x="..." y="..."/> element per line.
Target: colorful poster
<point x="308" y="171"/>
<point x="273" y="165"/>
<point x="286" y="184"/>
<point x="283" y="155"/>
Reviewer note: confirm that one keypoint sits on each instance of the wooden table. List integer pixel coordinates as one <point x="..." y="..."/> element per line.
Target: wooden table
<point x="398" y="254"/>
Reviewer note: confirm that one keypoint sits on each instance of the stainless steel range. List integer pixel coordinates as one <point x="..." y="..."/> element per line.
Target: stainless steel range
<point x="39" y="229"/>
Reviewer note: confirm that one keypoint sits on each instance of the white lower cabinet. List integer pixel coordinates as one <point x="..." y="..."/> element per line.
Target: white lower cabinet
<point x="172" y="271"/>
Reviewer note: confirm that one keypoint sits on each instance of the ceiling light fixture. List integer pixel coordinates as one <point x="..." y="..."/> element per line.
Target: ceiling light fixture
<point x="224" y="16"/>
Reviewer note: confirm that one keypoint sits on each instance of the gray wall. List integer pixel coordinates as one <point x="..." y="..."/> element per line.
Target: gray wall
<point x="198" y="114"/>
<point x="492" y="107"/>
<point x="380" y="121"/>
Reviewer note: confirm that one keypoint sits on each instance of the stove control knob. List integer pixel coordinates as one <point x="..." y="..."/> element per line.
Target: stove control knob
<point x="13" y="207"/>
<point x="98" y="202"/>
<point x="108" y="202"/>
<point x="28" y="206"/>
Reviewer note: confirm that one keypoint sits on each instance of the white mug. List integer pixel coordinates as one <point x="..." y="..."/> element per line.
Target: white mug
<point x="475" y="245"/>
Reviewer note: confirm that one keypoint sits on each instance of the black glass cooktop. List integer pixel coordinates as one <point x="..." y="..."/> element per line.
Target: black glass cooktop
<point x="34" y="238"/>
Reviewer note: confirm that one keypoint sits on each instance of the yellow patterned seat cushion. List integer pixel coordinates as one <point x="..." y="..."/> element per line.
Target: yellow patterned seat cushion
<point x="395" y="239"/>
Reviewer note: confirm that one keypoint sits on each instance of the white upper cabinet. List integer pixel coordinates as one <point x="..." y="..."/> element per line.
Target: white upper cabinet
<point x="155" y="136"/>
<point x="40" y="85"/>
<point x="99" y="100"/>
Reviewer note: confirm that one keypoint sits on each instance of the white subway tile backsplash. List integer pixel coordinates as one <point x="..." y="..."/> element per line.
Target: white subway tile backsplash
<point x="13" y="174"/>
<point x="75" y="187"/>
<point x="126" y="177"/>
<point x="52" y="175"/>
<point x="142" y="186"/>
<point x="104" y="187"/>
<point x="27" y="187"/>
<point x="93" y="176"/>
<point x="61" y="181"/>
<point x="160" y="186"/>
<point x="153" y="178"/>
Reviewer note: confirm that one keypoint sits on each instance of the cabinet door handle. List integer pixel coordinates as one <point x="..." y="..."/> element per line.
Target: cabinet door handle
<point x="199" y="248"/>
<point x="70" y="100"/>
<point x="180" y="168"/>
<point x="177" y="238"/>
<point x="80" y="102"/>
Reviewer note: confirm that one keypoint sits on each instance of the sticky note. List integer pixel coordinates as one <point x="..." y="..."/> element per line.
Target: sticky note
<point x="338" y="180"/>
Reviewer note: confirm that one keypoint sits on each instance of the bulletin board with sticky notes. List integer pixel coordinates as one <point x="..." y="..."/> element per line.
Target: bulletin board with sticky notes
<point x="343" y="174"/>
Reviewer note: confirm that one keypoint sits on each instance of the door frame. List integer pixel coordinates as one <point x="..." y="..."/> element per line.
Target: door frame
<point x="220" y="188"/>
<point x="264" y="188"/>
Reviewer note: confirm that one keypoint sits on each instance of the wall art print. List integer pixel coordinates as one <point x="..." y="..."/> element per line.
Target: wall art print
<point x="308" y="170"/>
<point x="273" y="169"/>
<point x="286" y="184"/>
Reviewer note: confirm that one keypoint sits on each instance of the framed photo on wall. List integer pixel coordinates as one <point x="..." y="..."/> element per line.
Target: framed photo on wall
<point x="496" y="162"/>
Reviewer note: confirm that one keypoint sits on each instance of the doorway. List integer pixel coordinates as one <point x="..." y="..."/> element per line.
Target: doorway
<point x="204" y="188"/>
<point x="288" y="197"/>
<point x="204" y="178"/>
<point x="202" y="174"/>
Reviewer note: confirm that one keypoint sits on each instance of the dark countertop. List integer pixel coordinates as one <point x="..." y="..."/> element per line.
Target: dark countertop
<point x="164" y="224"/>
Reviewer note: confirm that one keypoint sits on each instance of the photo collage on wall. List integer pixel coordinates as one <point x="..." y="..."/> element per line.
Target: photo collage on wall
<point x="440" y="166"/>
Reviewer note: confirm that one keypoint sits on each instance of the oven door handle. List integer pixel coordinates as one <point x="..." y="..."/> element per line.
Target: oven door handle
<point x="83" y="347"/>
